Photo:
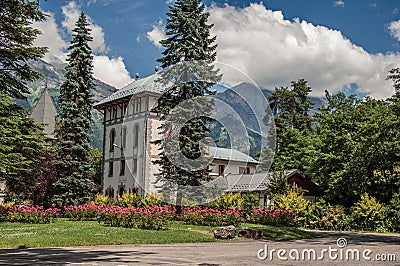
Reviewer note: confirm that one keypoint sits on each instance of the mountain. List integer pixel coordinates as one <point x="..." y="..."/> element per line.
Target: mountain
<point x="248" y="104"/>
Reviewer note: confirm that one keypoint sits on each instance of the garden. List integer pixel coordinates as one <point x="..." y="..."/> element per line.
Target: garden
<point x="132" y="220"/>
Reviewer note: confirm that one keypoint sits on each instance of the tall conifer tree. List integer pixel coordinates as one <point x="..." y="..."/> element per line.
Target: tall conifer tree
<point x="187" y="62"/>
<point x="74" y="185"/>
<point x="16" y="45"/>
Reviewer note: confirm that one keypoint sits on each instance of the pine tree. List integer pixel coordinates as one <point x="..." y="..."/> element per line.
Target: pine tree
<point x="187" y="63"/>
<point x="74" y="185"/>
<point x="16" y="45"/>
<point x="21" y="143"/>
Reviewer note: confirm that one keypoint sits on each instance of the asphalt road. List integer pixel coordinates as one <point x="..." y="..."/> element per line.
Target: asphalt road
<point x="369" y="247"/>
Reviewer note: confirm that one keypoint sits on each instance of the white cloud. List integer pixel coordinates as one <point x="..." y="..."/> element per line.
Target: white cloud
<point x="339" y="3"/>
<point x="157" y="34"/>
<point x="168" y="2"/>
<point x="111" y="71"/>
<point x="394" y="29"/>
<point x="51" y="38"/>
<point x="71" y="13"/>
<point x="274" y="51"/>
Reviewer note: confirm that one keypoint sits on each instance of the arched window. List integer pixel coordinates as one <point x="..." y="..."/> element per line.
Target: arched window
<point x="136" y="135"/>
<point x="123" y="138"/>
<point x="112" y="139"/>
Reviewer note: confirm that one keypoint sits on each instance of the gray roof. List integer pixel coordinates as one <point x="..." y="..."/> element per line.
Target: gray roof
<point x="45" y="113"/>
<point x="250" y="182"/>
<point x="146" y="84"/>
<point x="230" y="155"/>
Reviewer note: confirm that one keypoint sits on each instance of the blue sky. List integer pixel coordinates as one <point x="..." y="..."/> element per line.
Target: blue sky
<point x="335" y="45"/>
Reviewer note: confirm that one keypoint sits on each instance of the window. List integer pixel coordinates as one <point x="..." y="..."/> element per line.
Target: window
<point x="138" y="105"/>
<point x="123" y="138"/>
<point x="112" y="139"/>
<point x="110" y="169"/>
<point x="134" y="167"/>
<point x="136" y="135"/>
<point x="114" y="112"/>
<point x="244" y="170"/>
<point x="133" y="106"/>
<point x="122" y="168"/>
<point x="221" y="169"/>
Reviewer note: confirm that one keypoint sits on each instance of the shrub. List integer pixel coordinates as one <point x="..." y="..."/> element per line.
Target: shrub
<point x="367" y="214"/>
<point x="328" y="217"/>
<point x="210" y="217"/>
<point x="100" y="199"/>
<point x="294" y="201"/>
<point x="394" y="213"/>
<point x="30" y="214"/>
<point x="83" y="212"/>
<point x="151" y="218"/>
<point x="129" y="199"/>
<point x="249" y="203"/>
<point x="273" y="217"/>
<point x="226" y="201"/>
<point x="153" y="200"/>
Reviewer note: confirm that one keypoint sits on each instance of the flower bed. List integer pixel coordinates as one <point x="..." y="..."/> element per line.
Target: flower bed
<point x="151" y="218"/>
<point x="271" y="217"/>
<point x="28" y="214"/>
<point x="210" y="217"/>
<point x="84" y="212"/>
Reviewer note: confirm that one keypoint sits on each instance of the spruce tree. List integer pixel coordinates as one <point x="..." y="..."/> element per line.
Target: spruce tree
<point x="16" y="45"/>
<point x="188" y="68"/>
<point x="74" y="185"/>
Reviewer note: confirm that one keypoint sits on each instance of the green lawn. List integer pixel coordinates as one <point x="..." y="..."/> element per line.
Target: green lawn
<point x="65" y="233"/>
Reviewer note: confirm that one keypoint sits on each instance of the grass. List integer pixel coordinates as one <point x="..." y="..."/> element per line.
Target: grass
<point x="65" y="233"/>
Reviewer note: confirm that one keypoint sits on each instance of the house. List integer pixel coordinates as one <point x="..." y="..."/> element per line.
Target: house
<point x="129" y="130"/>
<point x="258" y="184"/>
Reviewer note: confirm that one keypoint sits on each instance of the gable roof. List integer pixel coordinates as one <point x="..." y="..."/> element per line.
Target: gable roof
<point x="230" y="155"/>
<point x="45" y="113"/>
<point x="252" y="182"/>
<point x="146" y="84"/>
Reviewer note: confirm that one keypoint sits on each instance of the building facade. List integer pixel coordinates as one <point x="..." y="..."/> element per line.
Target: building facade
<point x="128" y="150"/>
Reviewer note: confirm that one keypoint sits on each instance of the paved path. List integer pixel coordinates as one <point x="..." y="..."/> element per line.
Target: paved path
<point x="242" y="252"/>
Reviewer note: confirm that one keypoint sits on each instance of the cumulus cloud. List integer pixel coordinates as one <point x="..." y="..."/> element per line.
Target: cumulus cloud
<point x="274" y="51"/>
<point x="71" y="13"/>
<point x="157" y="34"/>
<point x="339" y="3"/>
<point x="394" y="29"/>
<point x="51" y="38"/>
<point x="109" y="70"/>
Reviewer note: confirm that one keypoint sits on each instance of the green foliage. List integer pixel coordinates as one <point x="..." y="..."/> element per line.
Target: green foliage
<point x="328" y="217"/>
<point x="226" y="201"/>
<point x="359" y="149"/>
<point x="188" y="42"/>
<point x="21" y="147"/>
<point x="278" y="184"/>
<point x="293" y="125"/>
<point x="96" y="164"/>
<point x="74" y="185"/>
<point x="16" y="48"/>
<point x="249" y="203"/>
<point x="394" y="213"/>
<point x="129" y="199"/>
<point x="294" y="201"/>
<point x="368" y="214"/>
<point x="100" y="199"/>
